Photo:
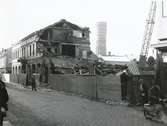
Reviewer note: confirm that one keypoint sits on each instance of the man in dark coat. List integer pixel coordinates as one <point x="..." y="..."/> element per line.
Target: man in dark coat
<point x="143" y="91"/>
<point x="155" y="94"/>
<point x="3" y="101"/>
<point x="33" y="83"/>
<point x="124" y="80"/>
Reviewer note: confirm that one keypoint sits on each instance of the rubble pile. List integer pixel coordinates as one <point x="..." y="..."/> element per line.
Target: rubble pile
<point x="105" y="69"/>
<point x="68" y="65"/>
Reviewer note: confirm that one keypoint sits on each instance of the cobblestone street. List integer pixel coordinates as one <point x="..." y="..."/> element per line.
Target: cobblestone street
<point x="43" y="108"/>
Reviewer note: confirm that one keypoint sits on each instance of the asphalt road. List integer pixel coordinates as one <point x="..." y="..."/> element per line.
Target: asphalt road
<point x="42" y="108"/>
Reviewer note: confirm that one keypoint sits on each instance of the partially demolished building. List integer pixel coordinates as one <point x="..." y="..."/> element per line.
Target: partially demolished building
<point x="61" y="44"/>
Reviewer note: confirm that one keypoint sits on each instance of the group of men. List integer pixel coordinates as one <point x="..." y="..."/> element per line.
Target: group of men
<point x="147" y="94"/>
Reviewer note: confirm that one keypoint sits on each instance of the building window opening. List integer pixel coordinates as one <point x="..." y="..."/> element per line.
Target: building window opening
<point x="49" y="49"/>
<point x="16" y="70"/>
<point x="33" y="68"/>
<point x="38" y="68"/>
<point x="24" y="52"/>
<point x="33" y="48"/>
<point x="13" y="70"/>
<point x="44" y="36"/>
<point x="68" y="50"/>
<point x="77" y="34"/>
<point x="17" y="53"/>
<point x="30" y="50"/>
<point x="19" y="70"/>
<point x="83" y="35"/>
<point x="56" y="50"/>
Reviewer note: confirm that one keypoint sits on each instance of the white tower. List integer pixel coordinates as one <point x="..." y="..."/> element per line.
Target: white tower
<point x="101" y="38"/>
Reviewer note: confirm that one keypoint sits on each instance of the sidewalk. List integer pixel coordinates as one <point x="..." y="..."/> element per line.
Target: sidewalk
<point x="29" y="87"/>
<point x="7" y="123"/>
<point x="42" y="89"/>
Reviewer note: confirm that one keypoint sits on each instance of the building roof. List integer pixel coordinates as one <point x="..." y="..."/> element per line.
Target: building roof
<point x="60" y="24"/>
<point x="115" y="59"/>
<point x="160" y="45"/>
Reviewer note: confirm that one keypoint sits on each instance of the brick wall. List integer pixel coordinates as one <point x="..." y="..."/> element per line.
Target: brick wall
<point x="134" y="86"/>
<point x="107" y="87"/>
<point x="90" y="86"/>
<point x="84" y="85"/>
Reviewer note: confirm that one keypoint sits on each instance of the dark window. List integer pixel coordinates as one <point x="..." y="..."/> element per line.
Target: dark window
<point x="33" y="47"/>
<point x="30" y="50"/>
<point x="49" y="49"/>
<point x="44" y="36"/>
<point x="24" y="52"/>
<point x="68" y="50"/>
<point x="56" y="50"/>
<point x="33" y="68"/>
<point x="83" y="35"/>
<point x="19" y="69"/>
<point x="13" y="70"/>
<point x="16" y="70"/>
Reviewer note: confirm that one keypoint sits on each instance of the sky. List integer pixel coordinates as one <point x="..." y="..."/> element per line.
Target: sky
<point x="125" y="19"/>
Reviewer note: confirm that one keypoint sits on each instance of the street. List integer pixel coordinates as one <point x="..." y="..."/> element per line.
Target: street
<point x="43" y="108"/>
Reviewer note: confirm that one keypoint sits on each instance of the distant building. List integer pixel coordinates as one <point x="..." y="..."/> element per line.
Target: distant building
<point x="46" y="48"/>
<point x="101" y="38"/>
<point x="115" y="59"/>
<point x="5" y="61"/>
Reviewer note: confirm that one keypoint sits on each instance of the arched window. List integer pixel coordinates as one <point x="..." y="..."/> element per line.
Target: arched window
<point x="30" y="50"/>
<point x="13" y="70"/>
<point x="19" y="70"/>
<point x="16" y="70"/>
<point x="38" y="68"/>
<point x="33" y="68"/>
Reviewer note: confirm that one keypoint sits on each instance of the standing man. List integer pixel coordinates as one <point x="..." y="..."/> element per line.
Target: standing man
<point x="143" y="91"/>
<point x="3" y="101"/>
<point x="124" y="80"/>
<point x="33" y="84"/>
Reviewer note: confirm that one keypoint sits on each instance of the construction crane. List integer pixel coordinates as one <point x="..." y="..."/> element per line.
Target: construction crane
<point x="147" y="34"/>
<point x="138" y="68"/>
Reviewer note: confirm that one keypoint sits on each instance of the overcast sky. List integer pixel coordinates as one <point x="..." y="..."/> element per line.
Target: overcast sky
<point x="125" y="20"/>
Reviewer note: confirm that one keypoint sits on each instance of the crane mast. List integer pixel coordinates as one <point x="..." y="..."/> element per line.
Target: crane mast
<point x="148" y="33"/>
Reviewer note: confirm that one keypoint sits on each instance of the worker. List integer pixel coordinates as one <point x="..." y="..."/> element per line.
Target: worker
<point x="124" y="80"/>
